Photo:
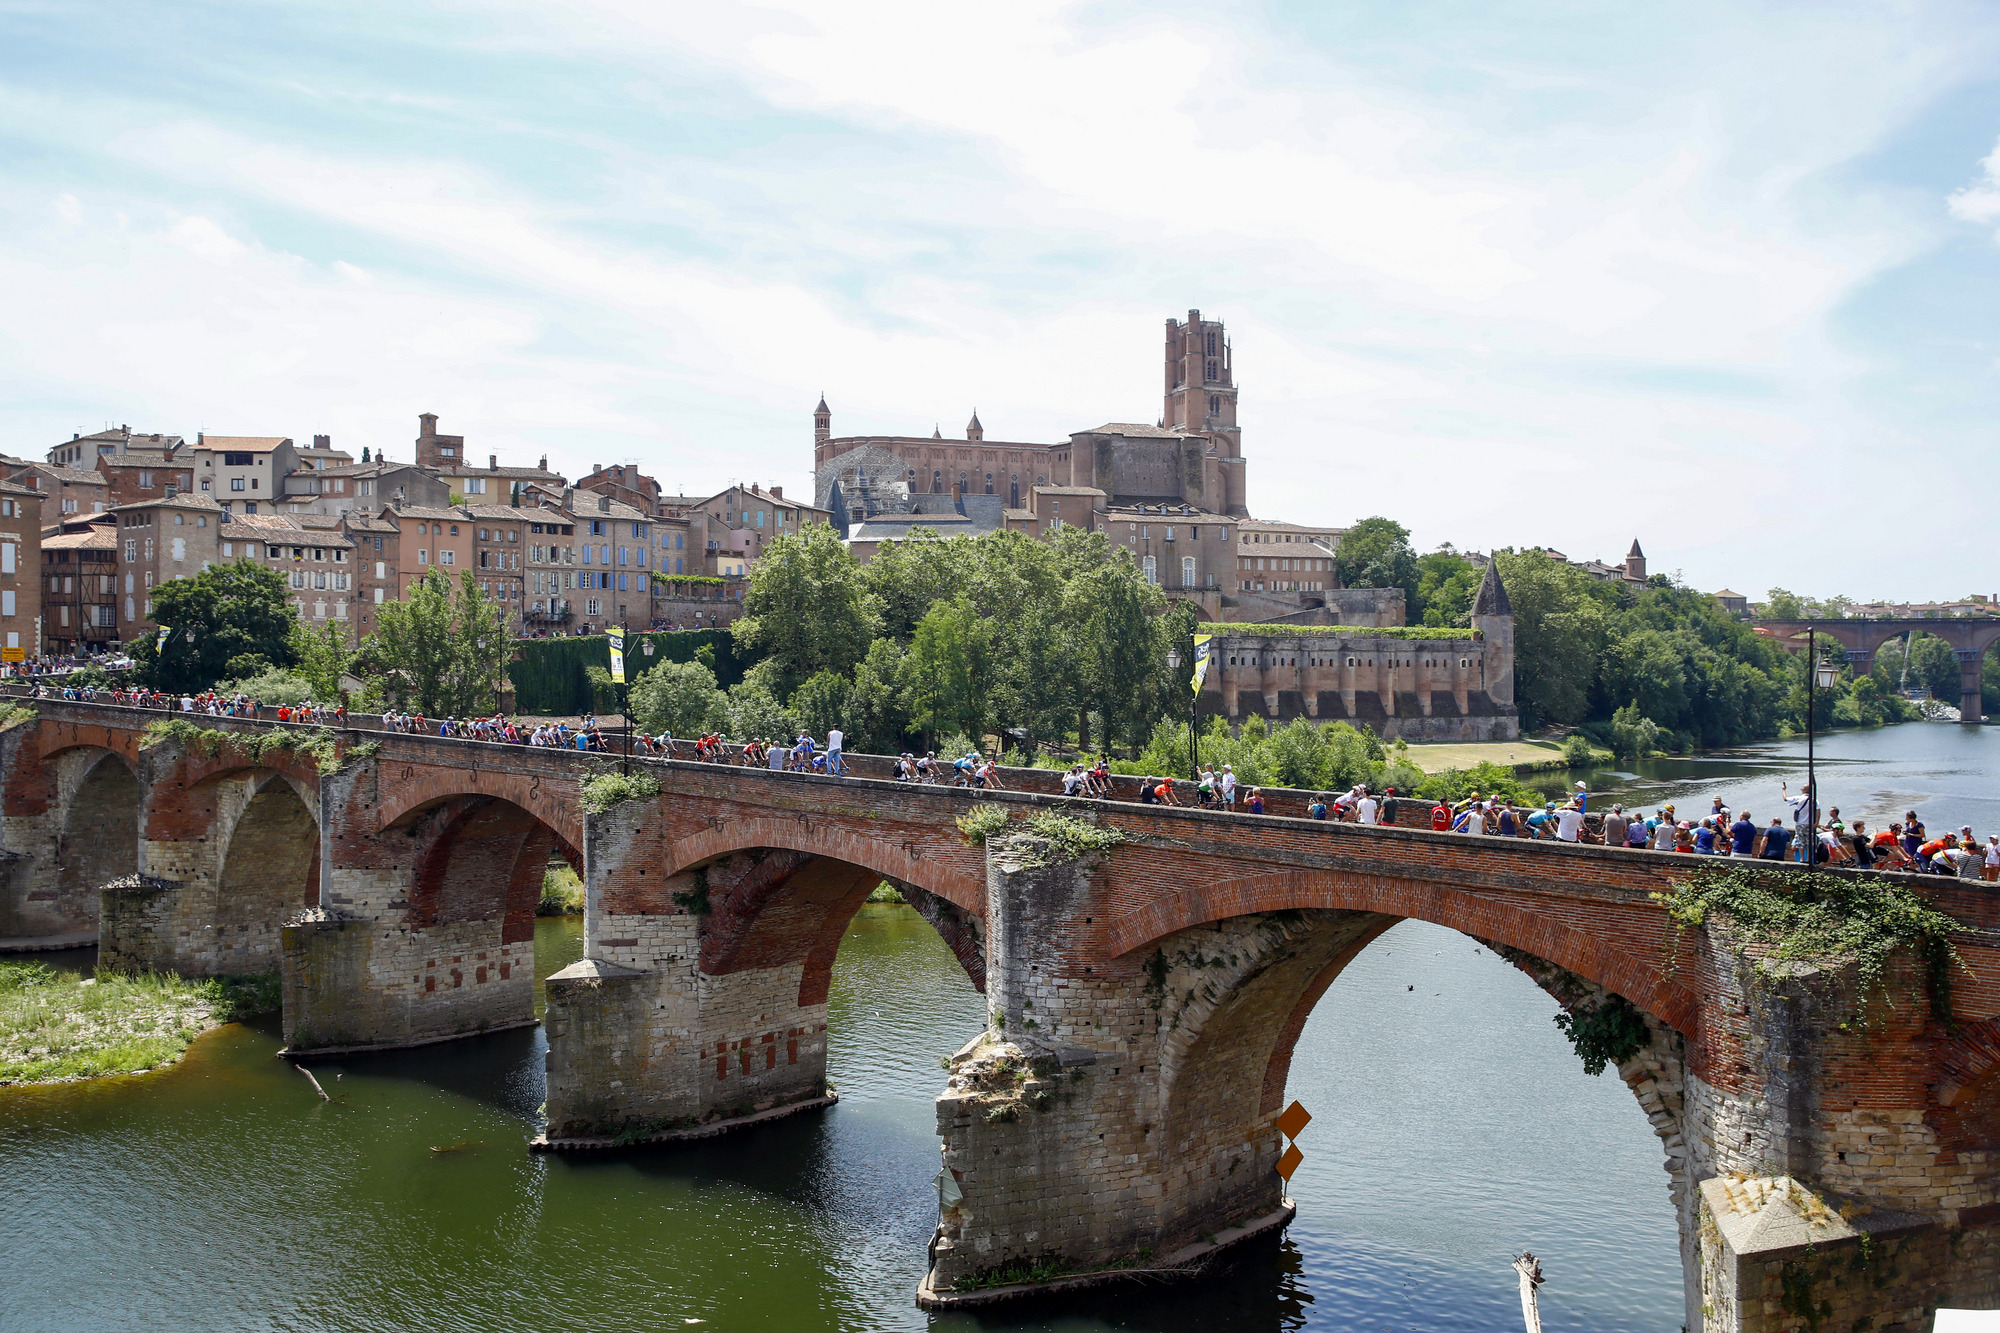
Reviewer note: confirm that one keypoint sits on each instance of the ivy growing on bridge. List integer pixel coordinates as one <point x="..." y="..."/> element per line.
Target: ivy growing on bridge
<point x="314" y="743"/>
<point x="606" y="790"/>
<point x="1608" y="1034"/>
<point x="1813" y="916"/>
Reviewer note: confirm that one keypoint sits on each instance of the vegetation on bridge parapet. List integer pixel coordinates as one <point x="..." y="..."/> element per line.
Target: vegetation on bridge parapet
<point x="1069" y="837"/>
<point x="13" y="715"/>
<point x="314" y="743"/>
<point x="606" y="790"/>
<point x="1812" y="916"/>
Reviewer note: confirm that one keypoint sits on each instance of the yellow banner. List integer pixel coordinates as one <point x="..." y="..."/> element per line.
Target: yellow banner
<point x="616" y="633"/>
<point x="1201" y="649"/>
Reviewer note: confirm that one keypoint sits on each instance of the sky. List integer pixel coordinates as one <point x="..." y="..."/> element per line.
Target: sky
<point x="1720" y="277"/>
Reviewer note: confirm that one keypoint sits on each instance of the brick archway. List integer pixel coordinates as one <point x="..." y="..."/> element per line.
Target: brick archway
<point x="483" y="860"/>
<point x="941" y="864"/>
<point x="1599" y="956"/>
<point x="553" y="803"/>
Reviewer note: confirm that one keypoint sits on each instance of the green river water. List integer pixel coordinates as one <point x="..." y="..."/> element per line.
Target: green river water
<point x="1454" y="1127"/>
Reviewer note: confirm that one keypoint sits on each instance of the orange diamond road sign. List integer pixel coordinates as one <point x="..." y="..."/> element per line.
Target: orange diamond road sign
<point x="1294" y="1119"/>
<point x="1290" y="1161"/>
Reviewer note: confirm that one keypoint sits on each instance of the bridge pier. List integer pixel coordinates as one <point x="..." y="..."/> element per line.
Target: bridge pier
<point x="693" y="1012"/>
<point x="425" y="930"/>
<point x="1971" y="686"/>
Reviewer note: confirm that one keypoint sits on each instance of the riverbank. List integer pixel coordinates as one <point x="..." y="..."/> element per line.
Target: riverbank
<point x="57" y="1026"/>
<point x="1523" y="756"/>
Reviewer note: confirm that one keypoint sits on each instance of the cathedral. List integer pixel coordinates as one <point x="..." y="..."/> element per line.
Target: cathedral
<point x="1193" y="457"/>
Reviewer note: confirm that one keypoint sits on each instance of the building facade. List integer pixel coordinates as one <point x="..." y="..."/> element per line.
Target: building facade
<point x="1443" y="689"/>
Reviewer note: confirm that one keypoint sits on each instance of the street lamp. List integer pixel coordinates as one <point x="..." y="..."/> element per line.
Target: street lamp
<point x="1194" y="702"/>
<point x="1819" y="676"/>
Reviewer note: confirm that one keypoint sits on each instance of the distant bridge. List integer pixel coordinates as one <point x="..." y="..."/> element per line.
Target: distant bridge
<point x="1155" y="990"/>
<point x="1969" y="638"/>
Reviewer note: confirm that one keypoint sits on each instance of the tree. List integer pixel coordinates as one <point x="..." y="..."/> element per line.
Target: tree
<point x="438" y="651"/>
<point x="1560" y="632"/>
<point x="1446" y="584"/>
<point x="1782" y="605"/>
<point x="321" y="656"/>
<point x="820" y="703"/>
<point x="877" y="717"/>
<point x="230" y="620"/>
<point x="808" y="608"/>
<point x="1375" y="553"/>
<point x="678" y="697"/>
<point x="752" y="712"/>
<point x="947" y="675"/>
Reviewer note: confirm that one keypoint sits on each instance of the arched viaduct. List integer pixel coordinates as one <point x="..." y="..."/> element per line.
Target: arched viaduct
<point x="1143" y="1000"/>
<point x="1969" y="637"/>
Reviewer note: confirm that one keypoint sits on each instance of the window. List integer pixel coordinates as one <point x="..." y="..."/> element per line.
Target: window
<point x="475" y="485"/>
<point x="381" y="569"/>
<point x="423" y="556"/>
<point x="378" y="543"/>
<point x="1152" y="574"/>
<point x="145" y="480"/>
<point x="1187" y="571"/>
<point x="107" y="617"/>
<point x="7" y="602"/>
<point x="378" y="597"/>
<point x="236" y="483"/>
<point x="243" y="459"/>
<point x="593" y="607"/>
<point x="597" y="526"/>
<point x="1170" y="534"/>
<point x="447" y="557"/>
<point x="7" y="557"/>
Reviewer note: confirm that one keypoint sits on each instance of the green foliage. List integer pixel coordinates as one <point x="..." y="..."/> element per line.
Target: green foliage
<point x="603" y="689"/>
<point x="562" y="893"/>
<point x="885" y="892"/>
<point x="1577" y="751"/>
<point x="948" y="671"/>
<point x="1610" y="1033"/>
<point x="54" y="1026"/>
<point x="981" y="822"/>
<point x="551" y="676"/>
<point x="820" y="703"/>
<point x="676" y="581"/>
<point x="1490" y="780"/>
<point x="217" y="618"/>
<point x="13" y="715"/>
<point x="1633" y="735"/>
<point x="1446" y="584"/>
<point x="440" y="650"/>
<point x="1071" y="838"/>
<point x="679" y="697"/>
<point x="877" y="718"/>
<point x="603" y="791"/>
<point x="752" y="712"/>
<point x="320" y="657"/>
<point x="314" y="743"/>
<point x="1375" y="553"/>
<point x="273" y="687"/>
<point x="1816" y="917"/>
<point x="808" y="608"/>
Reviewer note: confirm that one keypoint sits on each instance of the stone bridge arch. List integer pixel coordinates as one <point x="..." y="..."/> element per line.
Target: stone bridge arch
<point x="98" y="798"/>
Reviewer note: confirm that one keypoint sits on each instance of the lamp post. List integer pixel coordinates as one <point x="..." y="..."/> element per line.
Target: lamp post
<point x="1819" y="676"/>
<point x="1194" y="702"/>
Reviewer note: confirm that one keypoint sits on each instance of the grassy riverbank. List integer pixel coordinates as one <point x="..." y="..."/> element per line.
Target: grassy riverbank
<point x="58" y="1025"/>
<point x="1522" y="756"/>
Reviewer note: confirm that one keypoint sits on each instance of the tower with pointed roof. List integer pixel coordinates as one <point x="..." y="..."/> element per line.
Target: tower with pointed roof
<point x="1635" y="563"/>
<point x="973" y="430"/>
<point x="1493" y="617"/>
<point x="822" y="422"/>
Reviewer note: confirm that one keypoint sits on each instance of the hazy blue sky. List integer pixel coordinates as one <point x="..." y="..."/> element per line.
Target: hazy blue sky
<point x="1723" y="277"/>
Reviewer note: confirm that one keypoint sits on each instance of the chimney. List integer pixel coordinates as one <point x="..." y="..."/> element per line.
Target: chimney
<point x="492" y="462"/>
<point x="322" y="441"/>
<point x="777" y="492"/>
<point x="544" y="464"/>
<point x="172" y="490"/>
<point x="596" y="468"/>
<point x="75" y="436"/>
<point x="603" y="504"/>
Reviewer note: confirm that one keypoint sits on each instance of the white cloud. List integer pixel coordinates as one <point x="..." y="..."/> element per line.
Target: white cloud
<point x="1980" y="201"/>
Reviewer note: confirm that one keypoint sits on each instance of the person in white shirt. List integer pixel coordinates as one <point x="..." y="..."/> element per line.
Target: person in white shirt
<point x="1569" y="824"/>
<point x="1367" y="807"/>
<point x="1228" y="786"/>
<point x="833" y="743"/>
<point x="1990" y="872"/>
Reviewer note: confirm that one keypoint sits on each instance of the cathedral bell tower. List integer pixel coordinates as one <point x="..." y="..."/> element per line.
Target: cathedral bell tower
<point x="1201" y="400"/>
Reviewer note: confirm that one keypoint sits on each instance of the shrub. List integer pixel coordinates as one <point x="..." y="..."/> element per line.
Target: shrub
<point x="562" y="893"/>
<point x="601" y="793"/>
<point x="272" y="687"/>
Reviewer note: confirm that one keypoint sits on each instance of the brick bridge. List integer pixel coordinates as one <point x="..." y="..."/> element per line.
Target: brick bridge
<point x="1969" y="638"/>
<point x="1143" y="1001"/>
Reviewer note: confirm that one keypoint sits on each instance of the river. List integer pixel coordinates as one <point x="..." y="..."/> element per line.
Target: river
<point x="1453" y="1128"/>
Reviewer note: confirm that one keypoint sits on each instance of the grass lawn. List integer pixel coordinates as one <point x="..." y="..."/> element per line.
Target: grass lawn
<point x="1437" y="758"/>
<point x="57" y="1025"/>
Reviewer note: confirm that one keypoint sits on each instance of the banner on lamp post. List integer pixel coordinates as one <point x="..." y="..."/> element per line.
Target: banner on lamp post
<point x="1201" y="655"/>
<point x="616" y="634"/>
